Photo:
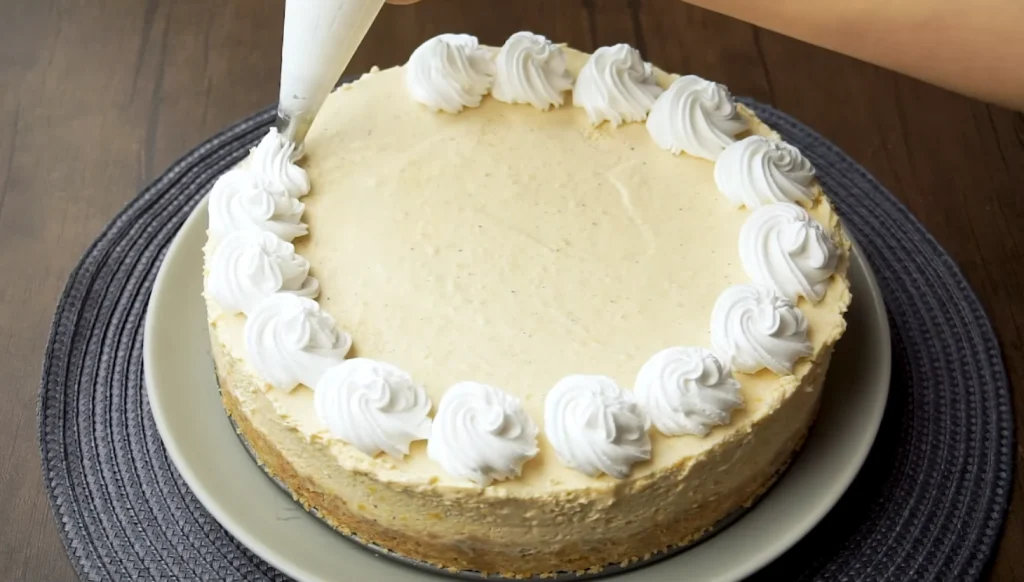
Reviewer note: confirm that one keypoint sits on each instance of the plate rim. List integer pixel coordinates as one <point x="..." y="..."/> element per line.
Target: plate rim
<point x="275" y="557"/>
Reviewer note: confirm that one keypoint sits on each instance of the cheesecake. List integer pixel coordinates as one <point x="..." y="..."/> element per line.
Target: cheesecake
<point x="522" y="310"/>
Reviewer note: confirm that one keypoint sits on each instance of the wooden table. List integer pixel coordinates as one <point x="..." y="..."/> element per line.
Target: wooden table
<point x="99" y="96"/>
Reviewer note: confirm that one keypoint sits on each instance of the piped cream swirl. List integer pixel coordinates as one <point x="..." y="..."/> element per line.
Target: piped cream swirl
<point x="274" y="161"/>
<point x="531" y="69"/>
<point x="450" y="72"/>
<point x="596" y="427"/>
<point x="753" y="327"/>
<point x="249" y="266"/>
<point x="782" y="247"/>
<point x="695" y="116"/>
<point x="756" y="171"/>
<point x="374" y="406"/>
<point x="687" y="391"/>
<point x="241" y="200"/>
<point x="481" y="433"/>
<point x="616" y="85"/>
<point x="291" y="341"/>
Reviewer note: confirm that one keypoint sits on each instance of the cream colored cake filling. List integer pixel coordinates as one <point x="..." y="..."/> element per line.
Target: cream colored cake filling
<point x="513" y="247"/>
<point x="516" y="247"/>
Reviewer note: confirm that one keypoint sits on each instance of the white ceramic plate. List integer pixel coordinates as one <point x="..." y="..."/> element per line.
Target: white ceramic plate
<point x="202" y="444"/>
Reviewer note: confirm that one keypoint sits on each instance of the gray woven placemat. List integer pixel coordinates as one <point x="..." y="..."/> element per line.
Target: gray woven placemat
<point x="929" y="503"/>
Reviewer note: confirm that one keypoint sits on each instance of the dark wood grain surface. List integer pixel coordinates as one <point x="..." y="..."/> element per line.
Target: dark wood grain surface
<point x="98" y="97"/>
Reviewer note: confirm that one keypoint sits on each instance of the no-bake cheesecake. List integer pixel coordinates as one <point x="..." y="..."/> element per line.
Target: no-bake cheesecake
<point x="523" y="309"/>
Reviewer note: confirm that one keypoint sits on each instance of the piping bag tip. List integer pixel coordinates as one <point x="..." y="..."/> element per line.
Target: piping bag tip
<point x="294" y="129"/>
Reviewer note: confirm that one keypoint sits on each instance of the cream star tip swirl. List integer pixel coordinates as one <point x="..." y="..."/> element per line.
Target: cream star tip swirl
<point x="274" y="160"/>
<point x="616" y="85"/>
<point x="757" y="171"/>
<point x="687" y="390"/>
<point x="374" y="406"/>
<point x="249" y="265"/>
<point x="531" y="69"/>
<point x="753" y="327"/>
<point x="482" y="434"/>
<point x="782" y="247"/>
<point x="241" y="200"/>
<point x="596" y="427"/>
<point x="449" y="72"/>
<point x="291" y="341"/>
<point x="695" y="116"/>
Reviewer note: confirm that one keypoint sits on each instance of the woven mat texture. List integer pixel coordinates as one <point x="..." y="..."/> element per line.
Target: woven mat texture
<point x="929" y="503"/>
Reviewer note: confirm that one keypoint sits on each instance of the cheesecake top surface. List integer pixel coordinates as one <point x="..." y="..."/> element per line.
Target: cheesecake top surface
<point x="514" y="247"/>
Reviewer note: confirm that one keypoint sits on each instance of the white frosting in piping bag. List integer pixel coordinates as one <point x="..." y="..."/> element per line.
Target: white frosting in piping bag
<point x="753" y="327"/>
<point x="481" y="433"/>
<point x="687" y="391"/>
<point x="374" y="406"/>
<point x="291" y="341"/>
<point x="782" y="247"/>
<point x="250" y="265"/>
<point x="695" y="116"/>
<point x="756" y="171"/>
<point x="449" y="72"/>
<point x="531" y="69"/>
<point x="595" y="426"/>
<point x="616" y="85"/>
<point x="239" y="200"/>
<point x="320" y="37"/>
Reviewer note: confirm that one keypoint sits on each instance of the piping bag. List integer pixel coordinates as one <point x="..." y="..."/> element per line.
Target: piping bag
<point x="320" y="37"/>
